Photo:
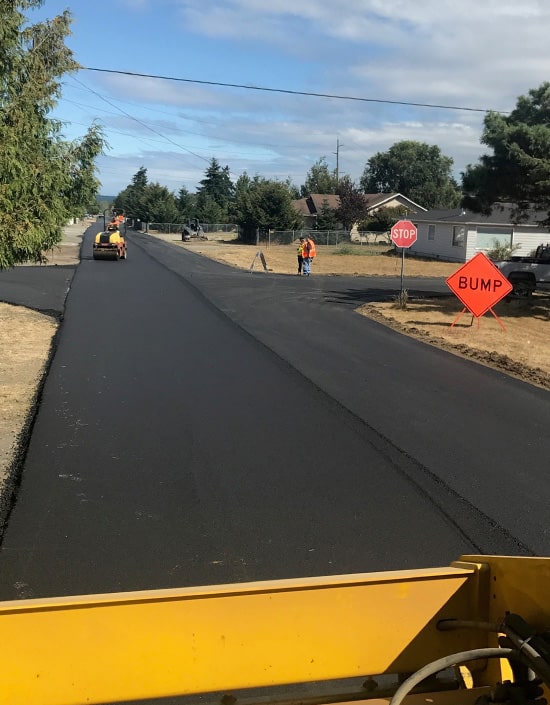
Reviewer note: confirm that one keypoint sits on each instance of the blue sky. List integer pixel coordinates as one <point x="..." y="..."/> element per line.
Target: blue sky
<point x="476" y="54"/>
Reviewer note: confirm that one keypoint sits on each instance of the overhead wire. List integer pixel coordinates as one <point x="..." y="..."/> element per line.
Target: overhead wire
<point x="289" y="91"/>
<point x="140" y="122"/>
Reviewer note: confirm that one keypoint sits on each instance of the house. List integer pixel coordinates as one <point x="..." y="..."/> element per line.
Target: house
<point x="457" y="235"/>
<point x="310" y="207"/>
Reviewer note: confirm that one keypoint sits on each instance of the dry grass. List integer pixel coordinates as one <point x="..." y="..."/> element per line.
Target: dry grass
<point x="349" y="260"/>
<point x="25" y="339"/>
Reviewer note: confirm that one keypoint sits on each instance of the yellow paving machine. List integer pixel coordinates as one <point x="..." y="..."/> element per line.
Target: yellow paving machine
<point x="110" y="244"/>
<point x="475" y="632"/>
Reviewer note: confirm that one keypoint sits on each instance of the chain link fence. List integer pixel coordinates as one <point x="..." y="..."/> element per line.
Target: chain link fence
<point x="168" y="228"/>
<point x="329" y="238"/>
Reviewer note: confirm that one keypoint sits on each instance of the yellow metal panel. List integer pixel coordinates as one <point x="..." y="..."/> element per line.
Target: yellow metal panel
<point x="513" y="584"/>
<point x="518" y="584"/>
<point x="127" y="646"/>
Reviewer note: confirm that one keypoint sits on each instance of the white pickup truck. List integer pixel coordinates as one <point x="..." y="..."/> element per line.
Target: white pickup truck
<point x="527" y="274"/>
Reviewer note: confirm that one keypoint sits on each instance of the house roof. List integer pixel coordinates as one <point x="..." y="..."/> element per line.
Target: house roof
<point x="501" y="215"/>
<point x="317" y="200"/>
<point x="302" y="207"/>
<point x="313" y="204"/>
<point x="377" y="200"/>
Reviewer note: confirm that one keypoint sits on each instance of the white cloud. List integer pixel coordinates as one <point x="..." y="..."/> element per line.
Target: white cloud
<point x="470" y="54"/>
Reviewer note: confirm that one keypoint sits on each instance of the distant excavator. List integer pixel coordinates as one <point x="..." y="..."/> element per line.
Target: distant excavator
<point x="192" y="229"/>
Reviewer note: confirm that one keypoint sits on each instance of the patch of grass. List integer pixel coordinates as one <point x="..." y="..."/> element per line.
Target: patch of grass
<point x="356" y="250"/>
<point x="401" y="300"/>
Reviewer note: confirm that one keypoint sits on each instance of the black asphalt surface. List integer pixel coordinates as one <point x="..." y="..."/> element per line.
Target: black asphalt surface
<point x="41" y="288"/>
<point x="203" y="425"/>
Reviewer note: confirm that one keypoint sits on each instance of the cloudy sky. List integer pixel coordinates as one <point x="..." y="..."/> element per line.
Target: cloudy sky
<point x="477" y="54"/>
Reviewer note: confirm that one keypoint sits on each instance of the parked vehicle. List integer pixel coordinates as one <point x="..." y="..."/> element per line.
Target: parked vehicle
<point x="528" y="274"/>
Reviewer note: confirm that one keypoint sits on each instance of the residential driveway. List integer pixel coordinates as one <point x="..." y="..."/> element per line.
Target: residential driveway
<point x="44" y="287"/>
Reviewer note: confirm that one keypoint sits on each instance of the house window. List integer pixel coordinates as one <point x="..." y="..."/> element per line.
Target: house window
<point x="491" y="236"/>
<point x="431" y="232"/>
<point x="459" y="235"/>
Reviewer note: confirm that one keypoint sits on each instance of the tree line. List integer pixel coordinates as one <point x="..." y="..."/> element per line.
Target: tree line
<point x="517" y="172"/>
<point x="261" y="203"/>
<point x="45" y="179"/>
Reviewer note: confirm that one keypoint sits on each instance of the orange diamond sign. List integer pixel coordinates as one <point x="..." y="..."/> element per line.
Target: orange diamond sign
<point x="479" y="285"/>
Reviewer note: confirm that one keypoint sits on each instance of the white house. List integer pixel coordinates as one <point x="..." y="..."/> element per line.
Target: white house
<point x="310" y="207"/>
<point x="457" y="235"/>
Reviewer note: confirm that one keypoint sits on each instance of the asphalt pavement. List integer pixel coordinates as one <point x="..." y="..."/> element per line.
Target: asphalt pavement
<point x="201" y="425"/>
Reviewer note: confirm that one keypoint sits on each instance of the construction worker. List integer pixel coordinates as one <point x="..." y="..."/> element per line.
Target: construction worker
<point x="300" y="254"/>
<point x="308" y="255"/>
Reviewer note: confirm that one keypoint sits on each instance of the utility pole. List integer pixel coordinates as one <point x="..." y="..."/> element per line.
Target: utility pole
<point x="338" y="145"/>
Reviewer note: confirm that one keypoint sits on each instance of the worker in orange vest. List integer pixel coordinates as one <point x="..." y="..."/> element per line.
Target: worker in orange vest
<point x="308" y="255"/>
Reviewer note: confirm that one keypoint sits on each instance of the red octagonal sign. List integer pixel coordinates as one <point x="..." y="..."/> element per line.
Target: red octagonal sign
<point x="403" y="233"/>
<point x="479" y="284"/>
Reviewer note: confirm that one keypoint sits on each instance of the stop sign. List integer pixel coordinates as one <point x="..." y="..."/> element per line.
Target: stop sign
<point x="403" y="233"/>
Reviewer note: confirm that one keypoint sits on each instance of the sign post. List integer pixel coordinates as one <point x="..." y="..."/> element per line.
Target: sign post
<point x="479" y="285"/>
<point x="403" y="235"/>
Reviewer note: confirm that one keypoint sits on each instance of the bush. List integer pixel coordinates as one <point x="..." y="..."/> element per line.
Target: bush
<point x="501" y="251"/>
<point x="401" y="300"/>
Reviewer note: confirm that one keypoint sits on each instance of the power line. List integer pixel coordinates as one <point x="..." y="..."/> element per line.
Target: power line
<point x="291" y="92"/>
<point x="143" y="124"/>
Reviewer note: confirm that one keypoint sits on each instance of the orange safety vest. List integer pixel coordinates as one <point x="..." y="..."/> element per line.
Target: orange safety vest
<point x="309" y="248"/>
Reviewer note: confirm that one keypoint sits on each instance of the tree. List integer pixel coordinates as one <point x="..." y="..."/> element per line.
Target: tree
<point x="353" y="205"/>
<point x="518" y="171"/>
<point x="217" y="187"/>
<point x="131" y="199"/>
<point x="84" y="185"/>
<point x="415" y="169"/>
<point x="209" y="211"/>
<point x="158" y="205"/>
<point x="319" y="179"/>
<point x="186" y="203"/>
<point x="264" y="204"/>
<point x="383" y="219"/>
<point x="43" y="179"/>
<point x="326" y="218"/>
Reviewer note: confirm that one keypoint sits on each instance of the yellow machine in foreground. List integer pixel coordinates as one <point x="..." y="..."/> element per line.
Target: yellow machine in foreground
<point x="481" y="624"/>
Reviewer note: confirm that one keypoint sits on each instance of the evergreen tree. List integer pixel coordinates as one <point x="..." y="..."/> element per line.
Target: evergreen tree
<point x="518" y="170"/>
<point x="266" y="205"/>
<point x="186" y="203"/>
<point x="131" y="199"/>
<point x="218" y="187"/>
<point x="158" y="204"/>
<point x="326" y="218"/>
<point x="43" y="179"/>
<point x="319" y="179"/>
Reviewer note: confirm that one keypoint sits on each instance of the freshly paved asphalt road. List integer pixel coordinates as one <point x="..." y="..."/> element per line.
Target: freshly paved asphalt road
<point x="204" y="425"/>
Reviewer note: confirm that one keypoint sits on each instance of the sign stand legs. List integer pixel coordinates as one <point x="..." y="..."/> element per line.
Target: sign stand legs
<point x="259" y="255"/>
<point x="501" y="324"/>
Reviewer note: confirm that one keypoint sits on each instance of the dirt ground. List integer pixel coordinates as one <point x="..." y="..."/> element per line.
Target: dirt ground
<point x="516" y="343"/>
<point x="25" y="344"/>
